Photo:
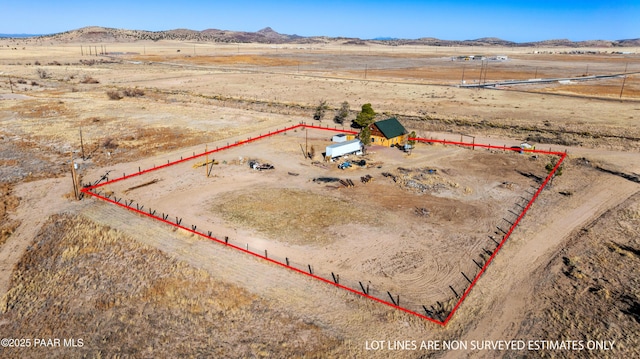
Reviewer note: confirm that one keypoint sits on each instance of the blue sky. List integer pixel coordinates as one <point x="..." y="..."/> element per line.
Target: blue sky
<point x="451" y="20"/>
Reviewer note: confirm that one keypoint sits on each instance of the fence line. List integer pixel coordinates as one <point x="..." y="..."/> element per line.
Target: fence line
<point x="437" y="313"/>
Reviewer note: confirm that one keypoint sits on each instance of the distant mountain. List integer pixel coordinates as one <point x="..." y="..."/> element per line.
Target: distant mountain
<point x="269" y="36"/>
<point x="103" y="34"/>
<point x="629" y="42"/>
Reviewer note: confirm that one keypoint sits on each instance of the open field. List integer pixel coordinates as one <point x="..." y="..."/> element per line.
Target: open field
<point x="579" y="237"/>
<point x="183" y="309"/>
<point x="411" y="231"/>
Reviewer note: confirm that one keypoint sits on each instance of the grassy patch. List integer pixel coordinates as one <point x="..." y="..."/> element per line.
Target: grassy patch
<point x="294" y="216"/>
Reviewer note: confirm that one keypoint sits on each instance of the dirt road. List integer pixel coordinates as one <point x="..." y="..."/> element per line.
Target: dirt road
<point x="504" y="292"/>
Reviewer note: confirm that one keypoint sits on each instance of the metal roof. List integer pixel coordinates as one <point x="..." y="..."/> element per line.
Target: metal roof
<point x="391" y="128"/>
<point x="346" y="143"/>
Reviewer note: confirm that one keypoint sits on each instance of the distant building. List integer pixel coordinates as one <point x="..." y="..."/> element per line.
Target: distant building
<point x="389" y="132"/>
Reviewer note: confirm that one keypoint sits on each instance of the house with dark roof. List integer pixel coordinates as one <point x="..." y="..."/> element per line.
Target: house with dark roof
<point x="389" y="132"/>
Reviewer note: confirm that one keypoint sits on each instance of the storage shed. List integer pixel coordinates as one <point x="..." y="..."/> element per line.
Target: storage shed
<point x="342" y="137"/>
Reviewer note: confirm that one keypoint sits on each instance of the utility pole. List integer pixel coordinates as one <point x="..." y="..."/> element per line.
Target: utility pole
<point x="486" y="67"/>
<point x="463" y="66"/>
<point x="11" y="84"/>
<point x="624" y="79"/>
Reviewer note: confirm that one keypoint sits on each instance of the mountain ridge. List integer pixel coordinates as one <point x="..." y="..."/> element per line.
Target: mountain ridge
<point x="269" y="35"/>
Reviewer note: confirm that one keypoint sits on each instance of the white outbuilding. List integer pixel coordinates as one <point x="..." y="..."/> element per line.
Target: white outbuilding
<point x="341" y="137"/>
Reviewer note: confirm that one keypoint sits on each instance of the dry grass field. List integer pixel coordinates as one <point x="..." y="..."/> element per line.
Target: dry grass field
<point x="132" y="287"/>
<point x="85" y="281"/>
<point x="595" y="269"/>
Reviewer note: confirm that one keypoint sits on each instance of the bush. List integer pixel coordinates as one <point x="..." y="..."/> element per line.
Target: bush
<point x="320" y="111"/>
<point x="342" y="113"/>
<point x="114" y="95"/>
<point x="89" y="80"/>
<point x="42" y="73"/>
<point x="109" y="143"/>
<point x="133" y="92"/>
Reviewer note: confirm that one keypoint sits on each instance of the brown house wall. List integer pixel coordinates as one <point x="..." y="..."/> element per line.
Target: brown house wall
<point x="375" y="131"/>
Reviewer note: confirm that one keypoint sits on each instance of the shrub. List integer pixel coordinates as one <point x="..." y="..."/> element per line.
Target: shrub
<point x="89" y="80"/>
<point x="320" y="111"/>
<point x="133" y="92"/>
<point x="114" y="95"/>
<point x="342" y="113"/>
<point x="42" y="73"/>
<point x="109" y="143"/>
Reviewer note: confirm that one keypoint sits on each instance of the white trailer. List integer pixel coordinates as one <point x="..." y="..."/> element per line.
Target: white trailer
<point x="343" y="148"/>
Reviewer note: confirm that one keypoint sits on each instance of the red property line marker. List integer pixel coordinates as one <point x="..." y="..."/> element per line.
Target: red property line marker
<point x="239" y="143"/>
<point x="506" y="236"/>
<point x="88" y="191"/>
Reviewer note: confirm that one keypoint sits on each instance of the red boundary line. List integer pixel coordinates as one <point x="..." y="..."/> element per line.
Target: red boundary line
<point x="88" y="191"/>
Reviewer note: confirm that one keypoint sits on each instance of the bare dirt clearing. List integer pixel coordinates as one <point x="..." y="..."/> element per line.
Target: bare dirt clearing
<point x="411" y="231"/>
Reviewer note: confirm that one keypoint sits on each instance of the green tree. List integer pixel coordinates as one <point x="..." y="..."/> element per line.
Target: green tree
<point x="550" y="166"/>
<point x="342" y="114"/>
<point x="366" y="116"/>
<point x="365" y="135"/>
<point x="412" y="135"/>
<point x="320" y="111"/>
